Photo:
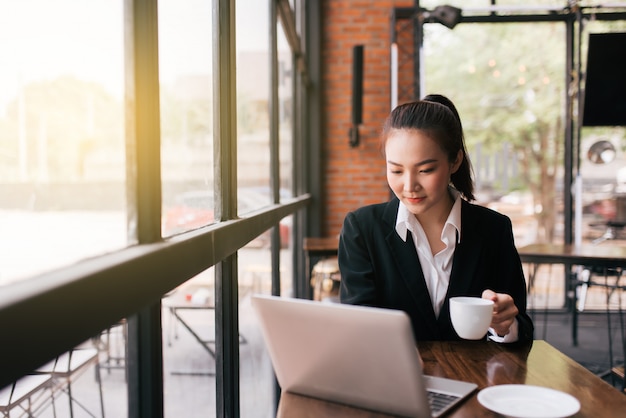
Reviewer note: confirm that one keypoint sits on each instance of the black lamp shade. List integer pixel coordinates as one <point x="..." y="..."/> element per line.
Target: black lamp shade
<point x="605" y="81"/>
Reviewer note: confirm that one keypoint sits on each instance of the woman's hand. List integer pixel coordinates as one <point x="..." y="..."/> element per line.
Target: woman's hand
<point x="504" y="311"/>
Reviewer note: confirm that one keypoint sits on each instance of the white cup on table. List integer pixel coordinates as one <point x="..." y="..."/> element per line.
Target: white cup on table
<point x="471" y="316"/>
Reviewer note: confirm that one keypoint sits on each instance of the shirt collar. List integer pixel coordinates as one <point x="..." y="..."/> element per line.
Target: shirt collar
<point x="454" y="218"/>
<point x="402" y="221"/>
<point x="404" y="218"/>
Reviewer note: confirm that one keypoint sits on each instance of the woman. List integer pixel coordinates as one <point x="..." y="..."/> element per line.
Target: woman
<point x="429" y="243"/>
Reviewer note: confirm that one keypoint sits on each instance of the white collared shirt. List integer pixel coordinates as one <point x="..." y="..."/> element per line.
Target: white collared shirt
<point x="436" y="268"/>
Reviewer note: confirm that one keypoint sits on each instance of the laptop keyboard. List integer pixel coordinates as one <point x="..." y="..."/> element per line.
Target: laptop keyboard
<point x="438" y="401"/>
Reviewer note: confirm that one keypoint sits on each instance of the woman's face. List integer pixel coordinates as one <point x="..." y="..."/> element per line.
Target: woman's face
<point x="418" y="172"/>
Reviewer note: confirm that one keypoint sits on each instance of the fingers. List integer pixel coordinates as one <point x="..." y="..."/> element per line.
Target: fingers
<point x="504" y="311"/>
<point x="490" y="294"/>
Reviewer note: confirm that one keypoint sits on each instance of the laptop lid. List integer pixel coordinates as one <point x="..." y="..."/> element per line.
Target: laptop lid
<point x="356" y="355"/>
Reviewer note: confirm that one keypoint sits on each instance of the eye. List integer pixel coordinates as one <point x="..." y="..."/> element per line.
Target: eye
<point x="427" y="170"/>
<point x="394" y="169"/>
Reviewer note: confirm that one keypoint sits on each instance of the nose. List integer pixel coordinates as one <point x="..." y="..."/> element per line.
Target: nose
<point x="410" y="183"/>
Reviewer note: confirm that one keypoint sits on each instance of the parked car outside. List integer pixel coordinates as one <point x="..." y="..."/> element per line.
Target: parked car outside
<point x="195" y="209"/>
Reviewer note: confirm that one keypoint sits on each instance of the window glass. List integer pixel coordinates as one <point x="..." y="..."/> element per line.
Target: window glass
<point x="285" y="114"/>
<point x="253" y="92"/>
<point x="62" y="170"/>
<point x="508" y="85"/>
<point x="602" y="159"/>
<point x="286" y="141"/>
<point x="189" y="348"/>
<point x="186" y="114"/>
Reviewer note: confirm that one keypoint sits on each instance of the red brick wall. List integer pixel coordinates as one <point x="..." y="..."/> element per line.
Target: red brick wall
<point x="354" y="177"/>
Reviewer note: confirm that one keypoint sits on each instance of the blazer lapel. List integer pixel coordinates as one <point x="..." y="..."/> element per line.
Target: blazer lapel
<point x="405" y="257"/>
<point x="467" y="252"/>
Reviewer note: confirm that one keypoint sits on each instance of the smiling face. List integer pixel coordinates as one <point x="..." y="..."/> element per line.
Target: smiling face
<point x="418" y="172"/>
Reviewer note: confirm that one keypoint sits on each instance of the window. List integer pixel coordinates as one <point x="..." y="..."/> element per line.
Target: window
<point x="82" y="136"/>
<point x="62" y="162"/>
<point x="509" y="88"/>
<point x="186" y="98"/>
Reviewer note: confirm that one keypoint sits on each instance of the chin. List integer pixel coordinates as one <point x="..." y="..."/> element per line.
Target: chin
<point x="415" y="209"/>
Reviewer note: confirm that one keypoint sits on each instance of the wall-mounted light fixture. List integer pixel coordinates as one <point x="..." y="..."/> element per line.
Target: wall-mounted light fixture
<point x="448" y="16"/>
<point x="602" y="152"/>
<point x="357" y="94"/>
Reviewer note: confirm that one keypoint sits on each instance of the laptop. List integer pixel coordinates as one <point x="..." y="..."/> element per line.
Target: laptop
<point x="355" y="355"/>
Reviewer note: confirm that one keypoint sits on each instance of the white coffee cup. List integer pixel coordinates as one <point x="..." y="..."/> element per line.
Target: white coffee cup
<point x="471" y="316"/>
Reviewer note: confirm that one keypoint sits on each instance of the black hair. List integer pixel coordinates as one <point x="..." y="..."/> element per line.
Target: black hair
<point x="437" y="115"/>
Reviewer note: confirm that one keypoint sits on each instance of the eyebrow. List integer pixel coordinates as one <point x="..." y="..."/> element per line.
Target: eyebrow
<point x="424" y="162"/>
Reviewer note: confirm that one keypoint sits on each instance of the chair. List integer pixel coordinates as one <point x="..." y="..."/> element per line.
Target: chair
<point x="325" y="280"/>
<point x="612" y="280"/>
<point x="612" y="231"/>
<point x="68" y="367"/>
<point x="618" y="371"/>
<point x="28" y="394"/>
<point x="111" y="344"/>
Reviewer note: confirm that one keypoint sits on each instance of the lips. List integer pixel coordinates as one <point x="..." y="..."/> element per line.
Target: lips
<point x="414" y="200"/>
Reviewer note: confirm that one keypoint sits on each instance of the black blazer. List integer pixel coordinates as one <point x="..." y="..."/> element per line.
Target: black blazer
<point x="379" y="269"/>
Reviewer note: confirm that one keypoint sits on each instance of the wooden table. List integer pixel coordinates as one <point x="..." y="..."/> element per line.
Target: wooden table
<point x="584" y="255"/>
<point x="324" y="246"/>
<point x="602" y="256"/>
<point x="488" y="364"/>
<point x="609" y="256"/>
<point x="599" y="255"/>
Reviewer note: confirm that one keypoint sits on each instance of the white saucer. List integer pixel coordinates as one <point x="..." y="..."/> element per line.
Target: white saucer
<point x="526" y="401"/>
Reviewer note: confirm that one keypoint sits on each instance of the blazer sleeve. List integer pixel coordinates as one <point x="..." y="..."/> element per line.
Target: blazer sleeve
<point x="511" y="266"/>
<point x="357" y="271"/>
